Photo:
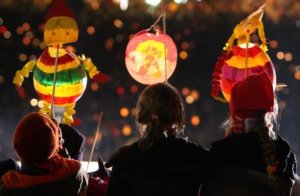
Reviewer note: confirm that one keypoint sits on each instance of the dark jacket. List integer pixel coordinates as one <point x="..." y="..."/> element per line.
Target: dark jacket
<point x="69" y="179"/>
<point x="174" y="167"/>
<point x="240" y="167"/>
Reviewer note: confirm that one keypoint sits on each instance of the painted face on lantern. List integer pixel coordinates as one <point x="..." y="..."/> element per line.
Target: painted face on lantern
<point x="60" y="30"/>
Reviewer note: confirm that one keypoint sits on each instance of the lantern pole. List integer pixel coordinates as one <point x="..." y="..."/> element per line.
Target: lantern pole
<point x="165" y="47"/>
<point x="163" y="16"/>
<point x="52" y="115"/>
<point x="95" y="139"/>
<point x="246" y="60"/>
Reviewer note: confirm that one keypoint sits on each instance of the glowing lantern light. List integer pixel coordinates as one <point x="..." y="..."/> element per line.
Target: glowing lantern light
<point x="68" y="68"/>
<point x="145" y="57"/>
<point x="244" y="59"/>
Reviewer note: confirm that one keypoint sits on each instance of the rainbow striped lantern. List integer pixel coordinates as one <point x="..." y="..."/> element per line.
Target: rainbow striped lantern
<point x="151" y="58"/>
<point x="244" y="59"/>
<point x="70" y="70"/>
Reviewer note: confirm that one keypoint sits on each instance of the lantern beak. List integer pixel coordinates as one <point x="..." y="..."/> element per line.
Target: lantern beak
<point x="249" y="24"/>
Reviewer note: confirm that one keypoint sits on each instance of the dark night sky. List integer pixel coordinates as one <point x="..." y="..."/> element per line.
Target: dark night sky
<point x="205" y="36"/>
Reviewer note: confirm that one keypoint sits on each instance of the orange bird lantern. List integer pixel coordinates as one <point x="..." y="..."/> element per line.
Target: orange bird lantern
<point x="59" y="76"/>
<point x="243" y="59"/>
<point x="151" y="57"/>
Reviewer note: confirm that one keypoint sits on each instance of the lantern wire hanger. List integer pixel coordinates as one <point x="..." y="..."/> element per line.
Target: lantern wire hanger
<point x="152" y="27"/>
<point x="95" y="139"/>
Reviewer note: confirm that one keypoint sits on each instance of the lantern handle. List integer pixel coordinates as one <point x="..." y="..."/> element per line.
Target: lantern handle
<point x="52" y="114"/>
<point x="165" y="48"/>
<point x="95" y="139"/>
<point x="155" y="23"/>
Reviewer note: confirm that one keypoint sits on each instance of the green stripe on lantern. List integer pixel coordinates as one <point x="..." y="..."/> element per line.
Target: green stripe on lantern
<point x="70" y="76"/>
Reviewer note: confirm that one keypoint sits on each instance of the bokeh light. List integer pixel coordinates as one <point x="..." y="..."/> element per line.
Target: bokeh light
<point x="90" y="30"/>
<point x="280" y="55"/>
<point x="120" y="90"/>
<point x="297" y="75"/>
<point x="1" y="79"/>
<point x="118" y="23"/>
<point x="288" y="57"/>
<point x="195" y="120"/>
<point x="94" y="86"/>
<point x="41" y="104"/>
<point x="34" y="102"/>
<point x="26" y="26"/>
<point x="22" y="57"/>
<point x="124" y="112"/>
<point x="95" y="5"/>
<point x="126" y="130"/>
<point x="189" y="99"/>
<point x="273" y="44"/>
<point x="153" y="2"/>
<point x="134" y="89"/>
<point x="26" y="40"/>
<point x="180" y="1"/>
<point x="282" y="105"/>
<point x="3" y="29"/>
<point x="20" y="30"/>
<point x="183" y="55"/>
<point x="195" y="94"/>
<point x="185" y="91"/>
<point x="7" y="34"/>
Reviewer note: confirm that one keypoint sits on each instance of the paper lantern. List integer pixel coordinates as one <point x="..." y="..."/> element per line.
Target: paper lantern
<point x="233" y="69"/>
<point x="71" y="77"/>
<point x="244" y="59"/>
<point x="71" y="70"/>
<point x="147" y="59"/>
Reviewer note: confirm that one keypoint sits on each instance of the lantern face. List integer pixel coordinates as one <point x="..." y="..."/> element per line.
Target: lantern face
<point x="234" y="69"/>
<point x="60" y="30"/>
<point x="145" y="57"/>
<point x="71" y="77"/>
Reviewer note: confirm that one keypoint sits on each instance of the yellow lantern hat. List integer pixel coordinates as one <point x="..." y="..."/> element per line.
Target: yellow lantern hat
<point x="61" y="26"/>
<point x="248" y="26"/>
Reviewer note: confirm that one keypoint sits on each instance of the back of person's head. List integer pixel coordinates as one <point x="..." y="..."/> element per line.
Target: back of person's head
<point x="36" y="138"/>
<point x="160" y="113"/>
<point x="254" y="108"/>
<point x="252" y="100"/>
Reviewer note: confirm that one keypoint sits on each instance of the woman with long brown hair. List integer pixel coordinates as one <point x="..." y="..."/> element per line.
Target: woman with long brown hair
<point x="160" y="162"/>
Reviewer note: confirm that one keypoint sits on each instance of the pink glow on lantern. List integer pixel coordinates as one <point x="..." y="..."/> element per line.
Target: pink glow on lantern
<point x="145" y="57"/>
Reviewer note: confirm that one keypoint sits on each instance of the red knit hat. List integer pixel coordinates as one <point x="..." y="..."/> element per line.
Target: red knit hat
<point x="59" y="9"/>
<point x="36" y="138"/>
<point x="252" y="94"/>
